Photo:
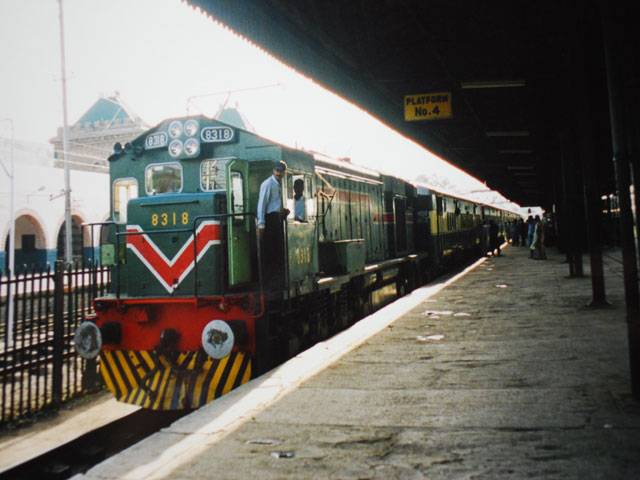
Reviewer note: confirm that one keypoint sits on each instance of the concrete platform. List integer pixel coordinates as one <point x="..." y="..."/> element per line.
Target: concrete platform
<point x="503" y="373"/>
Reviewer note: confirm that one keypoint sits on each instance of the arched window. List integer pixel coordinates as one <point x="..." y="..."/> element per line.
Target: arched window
<point x="77" y="240"/>
<point x="30" y="247"/>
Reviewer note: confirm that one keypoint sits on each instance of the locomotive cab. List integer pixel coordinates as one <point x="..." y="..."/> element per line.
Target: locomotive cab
<point x="182" y="225"/>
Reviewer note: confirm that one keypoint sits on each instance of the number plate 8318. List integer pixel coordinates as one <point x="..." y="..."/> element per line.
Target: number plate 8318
<point x="169" y="219"/>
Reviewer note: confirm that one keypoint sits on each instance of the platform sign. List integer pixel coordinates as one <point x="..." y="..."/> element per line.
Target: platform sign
<point x="427" y="106"/>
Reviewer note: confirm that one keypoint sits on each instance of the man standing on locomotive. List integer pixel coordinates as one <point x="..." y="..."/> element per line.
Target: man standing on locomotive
<point x="270" y="215"/>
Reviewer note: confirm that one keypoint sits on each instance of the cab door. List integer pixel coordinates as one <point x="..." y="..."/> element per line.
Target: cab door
<point x="238" y="223"/>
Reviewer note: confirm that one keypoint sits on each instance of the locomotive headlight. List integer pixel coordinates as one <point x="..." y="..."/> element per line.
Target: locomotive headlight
<point x="88" y="340"/>
<point x="175" y="148"/>
<point x="217" y="339"/>
<point x="175" y="129"/>
<point x="191" y="147"/>
<point x="191" y="127"/>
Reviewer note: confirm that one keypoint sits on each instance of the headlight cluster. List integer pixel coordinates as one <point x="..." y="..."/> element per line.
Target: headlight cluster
<point x="191" y="146"/>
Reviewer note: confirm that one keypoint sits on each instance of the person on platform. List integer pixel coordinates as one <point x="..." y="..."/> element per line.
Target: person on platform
<point x="494" y="242"/>
<point x="537" y="246"/>
<point x="522" y="228"/>
<point x="299" y="213"/>
<point x="270" y="217"/>
<point x="531" y="227"/>
<point x="514" y="233"/>
<point x="485" y="237"/>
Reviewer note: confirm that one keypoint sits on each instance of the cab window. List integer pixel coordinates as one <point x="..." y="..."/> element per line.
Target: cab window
<point x="212" y="175"/>
<point x="300" y="200"/>
<point x="163" y="178"/>
<point x="124" y="189"/>
<point x="237" y="193"/>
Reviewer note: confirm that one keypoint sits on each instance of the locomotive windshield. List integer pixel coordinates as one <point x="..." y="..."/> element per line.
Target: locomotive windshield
<point x="212" y="175"/>
<point x="163" y="178"/>
<point x="124" y="189"/>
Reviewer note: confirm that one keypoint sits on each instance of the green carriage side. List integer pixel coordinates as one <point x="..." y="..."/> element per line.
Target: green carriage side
<point x="350" y="216"/>
<point x="448" y="227"/>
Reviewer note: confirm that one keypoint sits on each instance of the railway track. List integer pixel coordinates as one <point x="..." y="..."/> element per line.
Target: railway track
<point x="31" y="355"/>
<point x="79" y="455"/>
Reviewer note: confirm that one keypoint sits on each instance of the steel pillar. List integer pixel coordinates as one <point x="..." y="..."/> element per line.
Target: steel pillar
<point x="587" y="151"/>
<point x="613" y="17"/>
<point x="634" y="138"/>
<point x="571" y="205"/>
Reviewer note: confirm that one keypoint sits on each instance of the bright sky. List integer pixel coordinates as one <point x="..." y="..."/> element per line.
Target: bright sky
<point x="157" y="54"/>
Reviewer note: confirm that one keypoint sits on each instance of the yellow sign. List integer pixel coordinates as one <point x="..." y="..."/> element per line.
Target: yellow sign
<point x="427" y="106"/>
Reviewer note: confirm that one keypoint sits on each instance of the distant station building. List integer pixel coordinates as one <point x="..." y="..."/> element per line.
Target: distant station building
<point x="90" y="140"/>
<point x="39" y="185"/>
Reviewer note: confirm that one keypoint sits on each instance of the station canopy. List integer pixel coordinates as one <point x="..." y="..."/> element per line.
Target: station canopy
<point x="484" y="85"/>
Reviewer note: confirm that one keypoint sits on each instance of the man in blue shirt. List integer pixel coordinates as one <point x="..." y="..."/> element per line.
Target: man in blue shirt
<point x="270" y="215"/>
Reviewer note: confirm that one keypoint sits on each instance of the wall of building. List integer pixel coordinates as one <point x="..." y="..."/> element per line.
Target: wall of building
<point x="40" y="204"/>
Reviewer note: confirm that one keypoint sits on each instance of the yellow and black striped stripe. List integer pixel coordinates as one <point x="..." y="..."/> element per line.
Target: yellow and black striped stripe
<point x="159" y="382"/>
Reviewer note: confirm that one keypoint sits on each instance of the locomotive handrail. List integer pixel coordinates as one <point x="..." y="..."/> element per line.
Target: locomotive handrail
<point x="195" y="247"/>
<point x="153" y="232"/>
<point x="191" y="230"/>
<point x="91" y="225"/>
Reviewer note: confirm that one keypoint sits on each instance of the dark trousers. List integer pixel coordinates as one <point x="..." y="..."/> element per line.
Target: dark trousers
<point x="273" y="252"/>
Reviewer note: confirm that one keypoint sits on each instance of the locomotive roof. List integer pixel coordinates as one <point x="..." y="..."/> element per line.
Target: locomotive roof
<point x="255" y="147"/>
<point x="321" y="160"/>
<point x="423" y="186"/>
<point x="200" y="118"/>
<point x="342" y="165"/>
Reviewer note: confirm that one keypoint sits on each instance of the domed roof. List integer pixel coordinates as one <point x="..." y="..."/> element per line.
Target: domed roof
<point x="108" y="110"/>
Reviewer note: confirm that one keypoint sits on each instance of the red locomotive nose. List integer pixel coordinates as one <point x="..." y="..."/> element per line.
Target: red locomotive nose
<point x="175" y="325"/>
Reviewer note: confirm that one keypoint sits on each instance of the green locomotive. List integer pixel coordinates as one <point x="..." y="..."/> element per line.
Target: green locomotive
<point x="188" y="318"/>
